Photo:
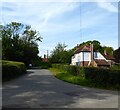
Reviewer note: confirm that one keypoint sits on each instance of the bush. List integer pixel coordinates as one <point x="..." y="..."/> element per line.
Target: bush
<point x="115" y="67"/>
<point x="12" y="69"/>
<point x="99" y="76"/>
<point x="102" y="76"/>
<point x="44" y="65"/>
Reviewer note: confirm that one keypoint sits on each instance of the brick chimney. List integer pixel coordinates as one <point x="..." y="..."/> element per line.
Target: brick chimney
<point x="105" y="52"/>
<point x="77" y="45"/>
<point x="91" y="54"/>
<point x="44" y="56"/>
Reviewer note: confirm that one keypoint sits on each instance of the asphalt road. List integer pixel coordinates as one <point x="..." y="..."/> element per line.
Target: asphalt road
<point x="39" y="89"/>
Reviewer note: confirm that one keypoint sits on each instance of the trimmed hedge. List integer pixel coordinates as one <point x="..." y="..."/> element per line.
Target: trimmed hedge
<point x="98" y="76"/>
<point x="102" y="76"/>
<point x="44" y="65"/>
<point x="11" y="69"/>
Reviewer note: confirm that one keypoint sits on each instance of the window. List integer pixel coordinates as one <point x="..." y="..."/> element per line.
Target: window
<point x="95" y="55"/>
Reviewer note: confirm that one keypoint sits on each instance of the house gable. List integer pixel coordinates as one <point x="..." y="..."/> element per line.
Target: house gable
<point x="82" y="57"/>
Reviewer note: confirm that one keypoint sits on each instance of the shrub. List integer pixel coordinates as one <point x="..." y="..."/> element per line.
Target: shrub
<point x="115" y="67"/>
<point x="12" y="69"/>
<point x="103" y="76"/>
<point x="99" y="76"/>
<point x="44" y="65"/>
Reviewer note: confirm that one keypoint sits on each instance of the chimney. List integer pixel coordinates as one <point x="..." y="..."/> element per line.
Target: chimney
<point x="44" y="56"/>
<point x="105" y="52"/>
<point x="77" y="45"/>
<point x="91" y="53"/>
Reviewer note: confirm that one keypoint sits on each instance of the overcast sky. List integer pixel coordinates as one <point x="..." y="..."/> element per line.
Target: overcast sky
<point x="67" y="22"/>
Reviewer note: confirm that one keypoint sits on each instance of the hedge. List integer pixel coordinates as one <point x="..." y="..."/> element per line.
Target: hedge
<point x="98" y="76"/>
<point x="11" y="69"/>
<point x="44" y="65"/>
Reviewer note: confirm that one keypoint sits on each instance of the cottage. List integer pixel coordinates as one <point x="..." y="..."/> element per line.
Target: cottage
<point x="87" y="56"/>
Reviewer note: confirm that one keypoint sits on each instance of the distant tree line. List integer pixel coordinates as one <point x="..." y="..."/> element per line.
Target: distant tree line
<point x="19" y="42"/>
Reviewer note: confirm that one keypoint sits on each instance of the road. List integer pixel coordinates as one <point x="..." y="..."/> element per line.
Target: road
<point x="39" y="89"/>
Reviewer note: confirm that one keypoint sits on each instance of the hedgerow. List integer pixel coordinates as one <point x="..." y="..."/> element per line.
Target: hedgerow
<point x="11" y="69"/>
<point x="97" y="76"/>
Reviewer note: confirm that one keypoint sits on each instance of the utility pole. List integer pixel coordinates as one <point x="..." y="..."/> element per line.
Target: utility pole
<point x="47" y="53"/>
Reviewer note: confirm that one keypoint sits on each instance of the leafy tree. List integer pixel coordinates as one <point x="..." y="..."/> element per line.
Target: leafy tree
<point x="60" y="54"/>
<point x="19" y="42"/>
<point x="97" y="46"/>
<point x="108" y="49"/>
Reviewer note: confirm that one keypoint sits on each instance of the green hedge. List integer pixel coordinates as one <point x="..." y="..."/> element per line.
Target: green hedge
<point x="102" y="76"/>
<point x="11" y="69"/>
<point x="44" y="65"/>
<point x="98" y="76"/>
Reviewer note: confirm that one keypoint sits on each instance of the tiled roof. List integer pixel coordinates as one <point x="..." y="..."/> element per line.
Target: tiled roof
<point x="108" y="57"/>
<point x="85" y="48"/>
<point x="45" y="59"/>
<point x="101" y="62"/>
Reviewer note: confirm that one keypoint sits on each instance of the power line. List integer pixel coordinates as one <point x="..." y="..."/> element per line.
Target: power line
<point x="81" y="20"/>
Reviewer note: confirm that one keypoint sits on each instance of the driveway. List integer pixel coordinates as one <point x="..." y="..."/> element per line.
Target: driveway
<point x="39" y="89"/>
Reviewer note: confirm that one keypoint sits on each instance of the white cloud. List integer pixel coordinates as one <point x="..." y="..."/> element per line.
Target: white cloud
<point x="58" y="0"/>
<point x="42" y="11"/>
<point x="105" y="4"/>
<point x="44" y="18"/>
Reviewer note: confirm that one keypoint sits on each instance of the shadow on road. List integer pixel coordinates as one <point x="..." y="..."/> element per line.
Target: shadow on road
<point x="39" y="89"/>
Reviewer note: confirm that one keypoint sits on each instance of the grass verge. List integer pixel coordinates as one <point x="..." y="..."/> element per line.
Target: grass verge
<point x="67" y="77"/>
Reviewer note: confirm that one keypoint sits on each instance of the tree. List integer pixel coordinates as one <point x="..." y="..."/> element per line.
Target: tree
<point x="97" y="46"/>
<point x="61" y="55"/>
<point x="19" y="42"/>
<point x="109" y="50"/>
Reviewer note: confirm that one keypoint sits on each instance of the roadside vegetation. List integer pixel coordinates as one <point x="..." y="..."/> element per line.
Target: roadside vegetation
<point x="88" y="76"/>
<point x="44" y="65"/>
<point x="11" y="70"/>
<point x="20" y="43"/>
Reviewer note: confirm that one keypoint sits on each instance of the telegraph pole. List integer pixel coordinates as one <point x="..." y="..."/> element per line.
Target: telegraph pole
<point x="47" y="53"/>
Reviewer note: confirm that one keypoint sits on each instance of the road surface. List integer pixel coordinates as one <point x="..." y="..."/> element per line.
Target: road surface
<point x="39" y="89"/>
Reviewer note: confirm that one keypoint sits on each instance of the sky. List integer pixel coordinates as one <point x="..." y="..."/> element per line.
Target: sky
<point x="70" y="22"/>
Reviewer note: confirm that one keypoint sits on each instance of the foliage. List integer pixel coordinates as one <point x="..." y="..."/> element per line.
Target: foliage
<point x="61" y="55"/>
<point x="19" y="42"/>
<point x="107" y="78"/>
<point x="44" y="65"/>
<point x="115" y="67"/>
<point x="97" y="46"/>
<point x="0" y="49"/>
<point x="117" y="55"/>
<point x="102" y="76"/>
<point x="12" y="69"/>
<point x="95" y="43"/>
<point x="108" y="49"/>
<point x="65" y="76"/>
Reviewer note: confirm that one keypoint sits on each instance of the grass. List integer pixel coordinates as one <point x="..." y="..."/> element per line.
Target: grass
<point x="67" y="77"/>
